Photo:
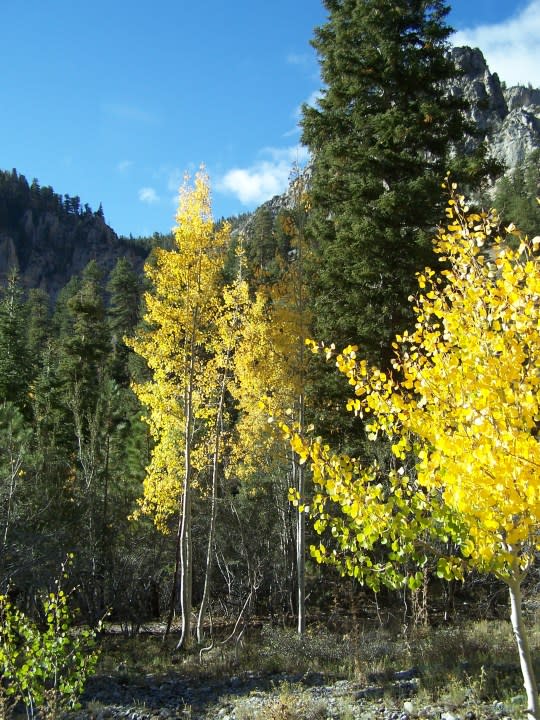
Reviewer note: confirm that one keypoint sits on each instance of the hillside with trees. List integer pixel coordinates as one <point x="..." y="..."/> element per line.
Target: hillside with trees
<point x="48" y="238"/>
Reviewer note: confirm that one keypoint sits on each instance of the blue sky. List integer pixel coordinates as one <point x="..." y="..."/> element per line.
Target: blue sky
<point x="114" y="100"/>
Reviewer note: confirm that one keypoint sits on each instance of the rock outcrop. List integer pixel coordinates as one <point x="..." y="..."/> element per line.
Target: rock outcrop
<point x="508" y="118"/>
<point x="48" y="240"/>
<point x="51" y="249"/>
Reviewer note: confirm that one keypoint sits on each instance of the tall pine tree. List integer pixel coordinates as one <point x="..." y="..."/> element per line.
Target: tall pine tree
<point x="15" y="366"/>
<point x="381" y="138"/>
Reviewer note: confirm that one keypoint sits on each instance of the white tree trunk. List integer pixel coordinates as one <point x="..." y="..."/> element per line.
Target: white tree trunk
<point x="301" y="528"/>
<point x="525" y="660"/>
<point x="213" y="501"/>
<point x="185" y="570"/>
<point x="185" y="531"/>
<point x="301" y="556"/>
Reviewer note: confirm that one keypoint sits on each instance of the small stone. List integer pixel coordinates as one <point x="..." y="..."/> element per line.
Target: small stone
<point x="407" y="674"/>
<point x="448" y="716"/>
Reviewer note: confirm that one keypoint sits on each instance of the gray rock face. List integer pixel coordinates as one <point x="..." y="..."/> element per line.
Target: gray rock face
<point x="508" y="118"/>
<point x="479" y="87"/>
<point x="47" y="250"/>
<point x="519" y="97"/>
<point x="518" y="135"/>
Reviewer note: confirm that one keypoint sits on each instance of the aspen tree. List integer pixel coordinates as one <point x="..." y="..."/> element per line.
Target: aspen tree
<point x="461" y="413"/>
<point x="227" y="335"/>
<point x="293" y="294"/>
<point x="270" y="364"/>
<point x="176" y="343"/>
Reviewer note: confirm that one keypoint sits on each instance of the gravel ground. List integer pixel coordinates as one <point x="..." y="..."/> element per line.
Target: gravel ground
<point x="274" y="697"/>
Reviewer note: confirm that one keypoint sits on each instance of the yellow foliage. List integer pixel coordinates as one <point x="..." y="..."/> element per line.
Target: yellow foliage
<point x="185" y="341"/>
<point x="464" y="404"/>
<point x="269" y="367"/>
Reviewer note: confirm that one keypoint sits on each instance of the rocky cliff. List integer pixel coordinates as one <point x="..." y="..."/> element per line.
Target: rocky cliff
<point x="47" y="250"/>
<point x="48" y="239"/>
<point x="508" y="118"/>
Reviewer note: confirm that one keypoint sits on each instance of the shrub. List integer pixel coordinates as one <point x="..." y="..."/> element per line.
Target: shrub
<point x="44" y="667"/>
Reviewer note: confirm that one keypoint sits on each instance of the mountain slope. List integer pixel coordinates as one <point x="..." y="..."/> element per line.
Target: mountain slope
<point x="47" y="238"/>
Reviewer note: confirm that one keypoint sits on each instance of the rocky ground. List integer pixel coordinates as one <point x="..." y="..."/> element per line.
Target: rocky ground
<point x="276" y="697"/>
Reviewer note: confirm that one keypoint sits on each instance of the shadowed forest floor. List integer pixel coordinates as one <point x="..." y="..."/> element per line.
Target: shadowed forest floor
<point x="462" y="671"/>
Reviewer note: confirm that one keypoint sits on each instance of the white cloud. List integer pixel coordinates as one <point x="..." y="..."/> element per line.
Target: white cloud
<point x="265" y="178"/>
<point x="511" y="47"/>
<point x="124" y="166"/>
<point x="175" y="179"/>
<point x="315" y="96"/>
<point x="130" y="113"/>
<point x="148" y="195"/>
<point x="301" y="59"/>
<point x="311" y="101"/>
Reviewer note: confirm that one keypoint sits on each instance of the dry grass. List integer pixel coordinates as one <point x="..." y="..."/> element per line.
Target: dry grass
<point x="474" y="660"/>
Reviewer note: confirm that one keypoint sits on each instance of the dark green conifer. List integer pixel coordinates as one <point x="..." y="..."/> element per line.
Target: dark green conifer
<point x="15" y="366"/>
<point x="125" y="290"/>
<point x="381" y="137"/>
<point x="84" y="340"/>
<point x="516" y="194"/>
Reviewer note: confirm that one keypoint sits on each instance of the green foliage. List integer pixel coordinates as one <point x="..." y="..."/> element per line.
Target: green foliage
<point x="38" y="328"/>
<point x="381" y="135"/>
<point x="125" y="290"/>
<point x="14" y="360"/>
<point x="516" y="194"/>
<point x="44" y="668"/>
<point x="15" y="440"/>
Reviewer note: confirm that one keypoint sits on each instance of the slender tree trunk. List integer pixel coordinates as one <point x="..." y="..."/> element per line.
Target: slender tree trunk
<point x="185" y="530"/>
<point x="213" y="506"/>
<point x="301" y="559"/>
<point x="520" y="633"/>
<point x="209" y="554"/>
<point x="105" y="551"/>
<point x="186" y="576"/>
<point x="183" y="565"/>
<point x="299" y="189"/>
<point x="301" y="537"/>
<point x="15" y="462"/>
<point x="172" y="603"/>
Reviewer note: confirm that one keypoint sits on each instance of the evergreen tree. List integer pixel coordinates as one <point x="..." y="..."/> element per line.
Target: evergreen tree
<point x="38" y="327"/>
<point x="85" y="340"/>
<point x="380" y="136"/>
<point x="516" y="195"/>
<point x="14" y="361"/>
<point x="125" y="289"/>
<point x="88" y="399"/>
<point x="261" y="249"/>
